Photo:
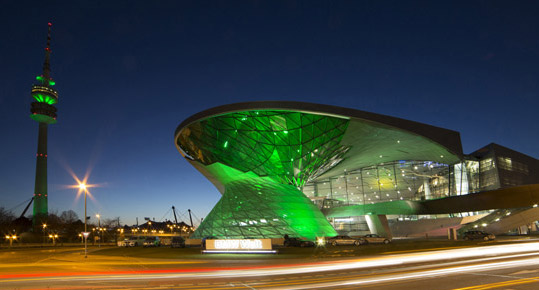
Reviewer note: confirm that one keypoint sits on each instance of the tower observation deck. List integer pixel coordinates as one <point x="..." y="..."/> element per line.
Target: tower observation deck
<point x="44" y="113"/>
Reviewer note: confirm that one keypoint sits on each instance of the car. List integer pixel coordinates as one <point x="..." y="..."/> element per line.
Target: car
<point x="177" y="242"/>
<point x="478" y="235"/>
<point x="297" y="242"/>
<point x="152" y="242"/>
<point x="375" y="239"/>
<point x="345" y="240"/>
<point x="132" y="242"/>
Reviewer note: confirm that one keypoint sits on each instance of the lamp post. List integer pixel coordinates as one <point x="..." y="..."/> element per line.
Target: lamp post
<point x="82" y="187"/>
<point x="53" y="237"/>
<point x="44" y="233"/>
<point x="99" y="228"/>
<point x="11" y="238"/>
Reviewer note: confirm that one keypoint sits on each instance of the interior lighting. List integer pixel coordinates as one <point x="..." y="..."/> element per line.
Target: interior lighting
<point x="535" y="205"/>
<point x="483" y="224"/>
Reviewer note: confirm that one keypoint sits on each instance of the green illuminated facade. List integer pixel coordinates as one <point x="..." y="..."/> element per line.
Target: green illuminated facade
<point x="44" y="113"/>
<point x="309" y="170"/>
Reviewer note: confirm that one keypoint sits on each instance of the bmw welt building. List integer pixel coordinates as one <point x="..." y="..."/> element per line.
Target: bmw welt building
<point x="310" y="170"/>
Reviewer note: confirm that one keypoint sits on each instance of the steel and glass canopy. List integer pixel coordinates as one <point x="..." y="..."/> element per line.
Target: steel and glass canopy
<point x="260" y="155"/>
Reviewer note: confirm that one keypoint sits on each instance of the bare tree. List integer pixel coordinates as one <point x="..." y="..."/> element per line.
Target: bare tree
<point x="6" y="217"/>
<point x="69" y="217"/>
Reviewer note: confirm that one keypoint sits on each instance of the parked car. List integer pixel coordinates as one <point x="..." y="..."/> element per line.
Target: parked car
<point x="297" y="242"/>
<point x="152" y="242"/>
<point x="345" y="240"/>
<point x="132" y="242"/>
<point x="478" y="235"/>
<point x="375" y="239"/>
<point x="177" y="242"/>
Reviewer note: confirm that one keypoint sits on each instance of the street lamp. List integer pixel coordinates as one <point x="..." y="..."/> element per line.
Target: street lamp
<point x="99" y="228"/>
<point x="11" y="238"/>
<point x="53" y="237"/>
<point x="44" y="233"/>
<point x="82" y="187"/>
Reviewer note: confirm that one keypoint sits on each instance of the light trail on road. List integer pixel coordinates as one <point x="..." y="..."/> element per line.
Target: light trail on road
<point x="412" y="266"/>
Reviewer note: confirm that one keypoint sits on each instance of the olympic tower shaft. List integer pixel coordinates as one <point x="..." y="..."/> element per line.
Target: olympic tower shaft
<point x="43" y="112"/>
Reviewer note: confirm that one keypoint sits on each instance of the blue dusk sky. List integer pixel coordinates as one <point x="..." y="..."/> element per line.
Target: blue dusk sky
<point x="129" y="72"/>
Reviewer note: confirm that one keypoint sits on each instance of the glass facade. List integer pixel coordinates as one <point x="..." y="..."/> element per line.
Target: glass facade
<point x="257" y="208"/>
<point x="399" y="180"/>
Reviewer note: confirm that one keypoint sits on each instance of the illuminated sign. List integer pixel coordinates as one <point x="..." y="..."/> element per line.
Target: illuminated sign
<point x="344" y="220"/>
<point x="239" y="246"/>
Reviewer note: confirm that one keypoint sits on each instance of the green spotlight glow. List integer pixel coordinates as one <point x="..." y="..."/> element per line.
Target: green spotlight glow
<point x="44" y="99"/>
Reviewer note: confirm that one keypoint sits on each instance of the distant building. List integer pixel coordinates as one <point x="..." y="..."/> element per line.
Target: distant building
<point x="311" y="170"/>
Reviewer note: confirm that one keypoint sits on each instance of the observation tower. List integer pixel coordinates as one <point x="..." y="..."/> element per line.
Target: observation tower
<point x="44" y="113"/>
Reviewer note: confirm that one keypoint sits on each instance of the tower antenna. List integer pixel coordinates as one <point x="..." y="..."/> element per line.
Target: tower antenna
<point x="46" y="63"/>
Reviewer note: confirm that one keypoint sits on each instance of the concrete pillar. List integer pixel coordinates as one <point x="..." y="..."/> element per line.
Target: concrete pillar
<point x="523" y="230"/>
<point x="378" y="225"/>
<point x="426" y="188"/>
<point x="452" y="234"/>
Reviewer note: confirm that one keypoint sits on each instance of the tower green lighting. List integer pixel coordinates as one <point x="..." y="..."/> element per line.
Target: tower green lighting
<point x="44" y="113"/>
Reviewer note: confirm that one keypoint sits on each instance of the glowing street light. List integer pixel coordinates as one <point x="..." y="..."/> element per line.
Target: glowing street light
<point x="99" y="228"/>
<point x="82" y="187"/>
<point x="44" y="233"/>
<point x="11" y="238"/>
<point x="53" y="237"/>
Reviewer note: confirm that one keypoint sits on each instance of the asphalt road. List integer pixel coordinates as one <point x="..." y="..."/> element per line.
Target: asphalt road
<point x="492" y="266"/>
